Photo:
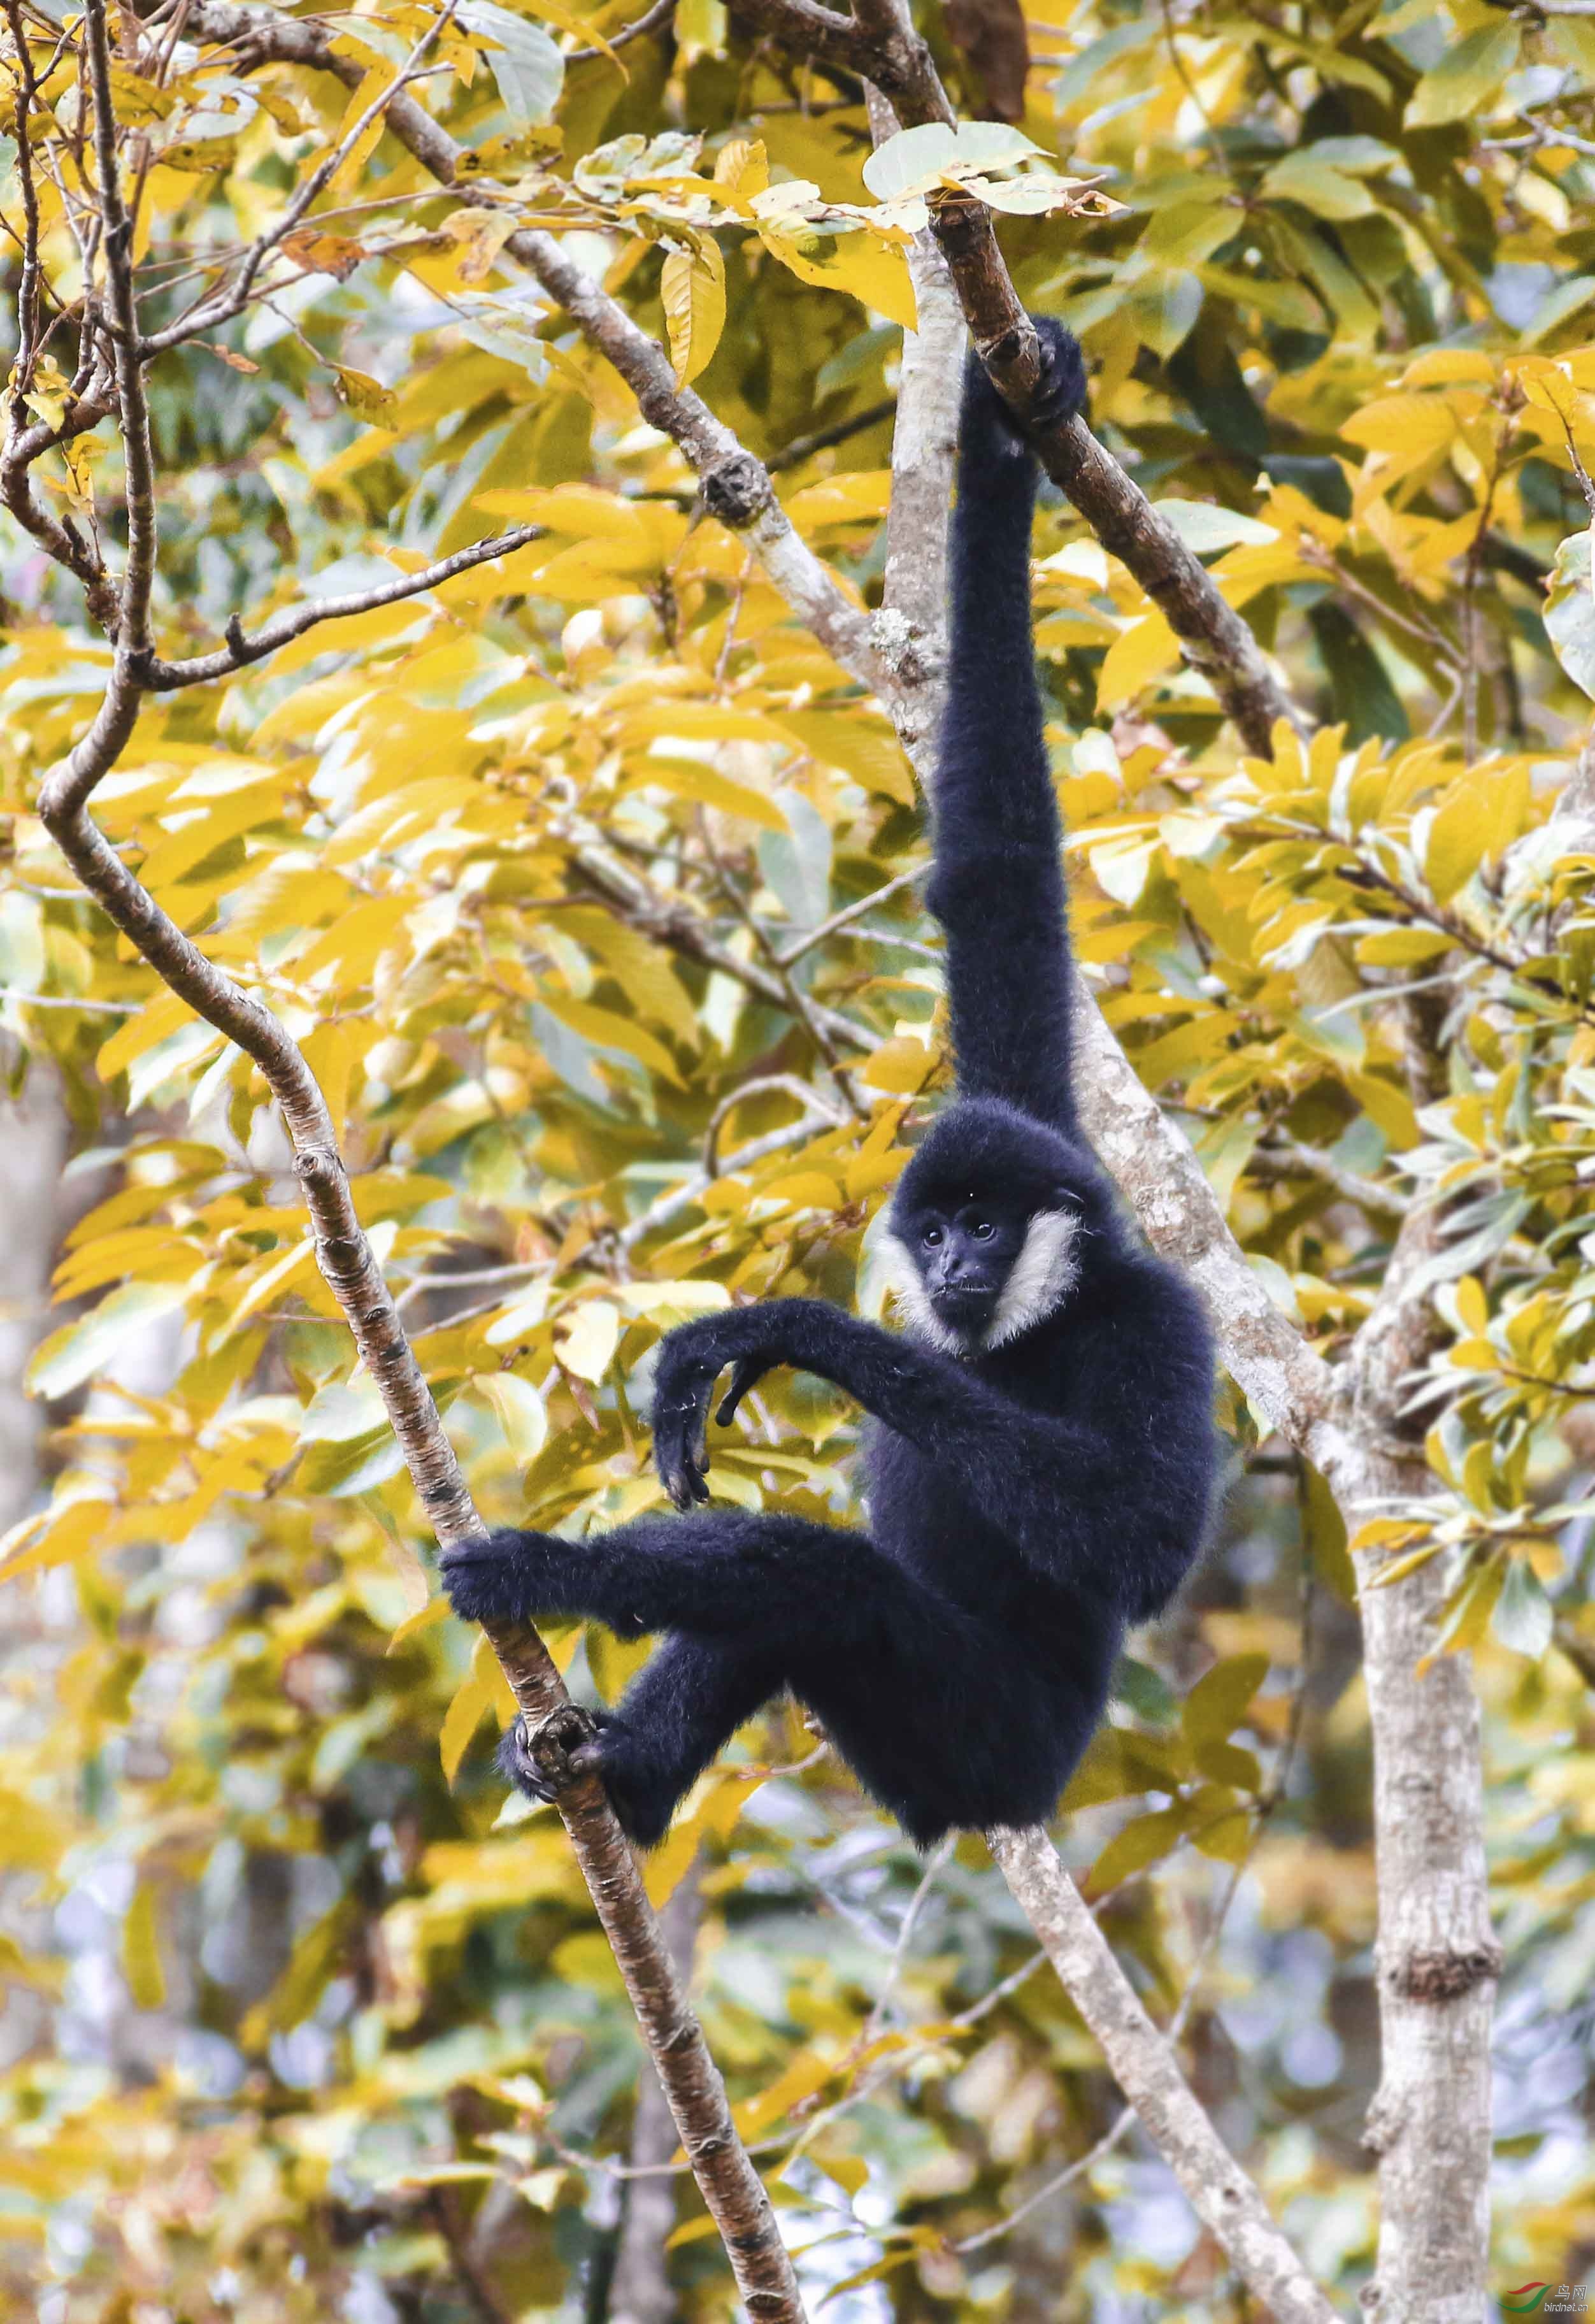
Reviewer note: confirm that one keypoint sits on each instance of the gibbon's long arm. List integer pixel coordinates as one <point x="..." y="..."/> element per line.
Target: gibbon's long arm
<point x="997" y="887"/>
<point x="1045" y="1482"/>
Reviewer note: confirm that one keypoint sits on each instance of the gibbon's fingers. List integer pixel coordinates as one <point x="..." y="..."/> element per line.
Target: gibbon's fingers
<point x="680" y="1442"/>
<point x="745" y="1373"/>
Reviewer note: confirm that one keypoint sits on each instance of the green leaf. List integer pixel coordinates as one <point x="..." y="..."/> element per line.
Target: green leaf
<point x="1523" y="1619"/>
<point x="1140" y="1844"/>
<point x="1306" y="178"/>
<point x="1570" y="608"/>
<point x="69" y="1357"/>
<point x="1467" y="75"/>
<point x="917" y="157"/>
<point x="525" y="62"/>
<point x="1218" y="1701"/>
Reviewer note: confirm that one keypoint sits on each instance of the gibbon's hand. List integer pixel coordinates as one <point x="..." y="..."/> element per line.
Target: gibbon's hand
<point x="691" y="1360"/>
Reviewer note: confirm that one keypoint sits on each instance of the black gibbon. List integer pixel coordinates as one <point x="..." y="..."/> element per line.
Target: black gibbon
<point x="1042" y="1455"/>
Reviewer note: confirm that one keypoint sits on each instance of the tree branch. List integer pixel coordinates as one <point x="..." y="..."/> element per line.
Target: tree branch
<point x="163" y="677"/>
<point x="731" y="2187"/>
<point x="1223" y="2198"/>
<point x="1214" y="640"/>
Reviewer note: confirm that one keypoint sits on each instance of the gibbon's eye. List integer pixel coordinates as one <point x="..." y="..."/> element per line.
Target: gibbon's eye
<point x="983" y="1231"/>
<point x="932" y="1236"/>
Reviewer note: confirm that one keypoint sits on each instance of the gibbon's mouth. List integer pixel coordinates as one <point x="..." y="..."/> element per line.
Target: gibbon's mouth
<point x="966" y="1306"/>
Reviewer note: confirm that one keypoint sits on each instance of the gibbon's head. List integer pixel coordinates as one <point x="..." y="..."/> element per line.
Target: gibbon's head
<point x="992" y="1223"/>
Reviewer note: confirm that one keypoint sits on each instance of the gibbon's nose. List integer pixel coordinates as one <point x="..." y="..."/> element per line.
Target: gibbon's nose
<point x="960" y="1282"/>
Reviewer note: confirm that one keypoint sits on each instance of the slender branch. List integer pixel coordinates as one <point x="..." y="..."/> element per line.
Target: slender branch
<point x="163" y="677"/>
<point x="1143" y="2063"/>
<point x="1283" y="1157"/>
<point x="788" y="1085"/>
<point x="670" y="922"/>
<point x="730" y="2185"/>
<point x="132" y="635"/>
<point x="849" y="913"/>
<point x="225" y="305"/>
<point x="821" y="440"/>
<point x="684" y="1197"/>
<point x="661" y="12"/>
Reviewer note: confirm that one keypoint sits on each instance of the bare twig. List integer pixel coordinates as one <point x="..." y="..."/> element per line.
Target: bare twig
<point x="661" y="11"/>
<point x="240" y="650"/>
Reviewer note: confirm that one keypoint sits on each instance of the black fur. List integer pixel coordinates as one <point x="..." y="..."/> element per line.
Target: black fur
<point x="1027" y="1500"/>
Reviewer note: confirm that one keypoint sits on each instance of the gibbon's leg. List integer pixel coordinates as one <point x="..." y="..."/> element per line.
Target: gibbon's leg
<point x="690" y="1699"/>
<point x="725" y="1573"/>
<point x="924" y="1698"/>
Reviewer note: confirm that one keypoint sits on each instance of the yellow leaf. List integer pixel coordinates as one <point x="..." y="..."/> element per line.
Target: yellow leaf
<point x="464" y="1714"/>
<point x="1479" y="817"/>
<point x="141" y="1951"/>
<point x="585" y="1338"/>
<point x="869" y="271"/>
<point x="1139" y="654"/>
<point x="1218" y="1701"/>
<point x="690" y="779"/>
<point x="365" y="397"/>
<point x="842" y="499"/>
<point x="607" y="1031"/>
<point x="901" y="1065"/>
<point x="863" y="745"/>
<point x="693" y="289"/>
<point x="741" y="170"/>
<point x="377" y="80"/>
<point x="1140" y="1844"/>
<point x="518" y="1408"/>
<point x="489" y="1675"/>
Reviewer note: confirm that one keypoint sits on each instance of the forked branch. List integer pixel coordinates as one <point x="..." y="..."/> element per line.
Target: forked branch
<point x="730" y="2185"/>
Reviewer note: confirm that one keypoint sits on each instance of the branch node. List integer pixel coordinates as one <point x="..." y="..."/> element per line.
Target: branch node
<point x="1442" y="1973"/>
<point x="736" y="489"/>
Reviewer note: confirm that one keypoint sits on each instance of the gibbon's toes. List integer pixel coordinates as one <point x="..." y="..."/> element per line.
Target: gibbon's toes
<point x="487" y="1581"/>
<point x="1062" y="392"/>
<point x="516" y="1762"/>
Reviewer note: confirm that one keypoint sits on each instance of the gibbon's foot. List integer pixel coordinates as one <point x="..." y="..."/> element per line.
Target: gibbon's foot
<point x="546" y="1761"/>
<point x="1062" y="391"/>
<point x="988" y="431"/>
<point x="542" y="1765"/>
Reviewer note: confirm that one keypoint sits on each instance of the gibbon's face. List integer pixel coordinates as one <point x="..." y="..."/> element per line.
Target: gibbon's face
<point x="976" y="1273"/>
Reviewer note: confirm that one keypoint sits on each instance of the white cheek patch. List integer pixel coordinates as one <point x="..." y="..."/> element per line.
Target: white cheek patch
<point x="1043" y="1275"/>
<point x="909" y="1290"/>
